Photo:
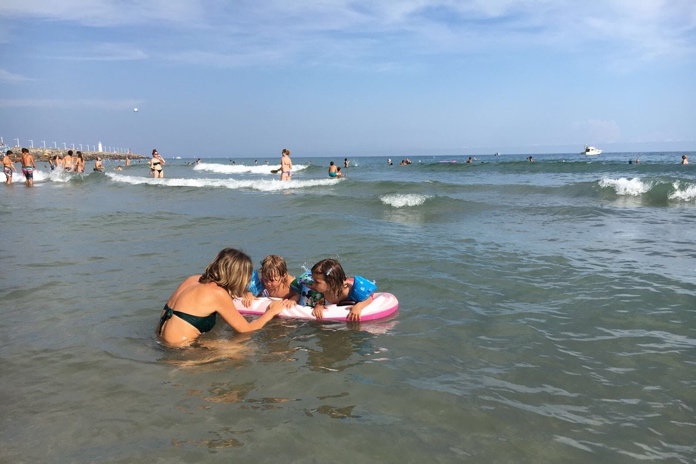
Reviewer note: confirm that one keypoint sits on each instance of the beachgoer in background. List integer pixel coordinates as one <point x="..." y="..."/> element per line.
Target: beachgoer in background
<point x="333" y="172"/>
<point x="156" y="165"/>
<point x="79" y="163"/>
<point x="192" y="308"/>
<point x="685" y="159"/>
<point x="198" y="161"/>
<point x="329" y="278"/>
<point x="338" y="172"/>
<point x="98" y="166"/>
<point x="345" y="162"/>
<point x="408" y="160"/>
<point x="285" y="165"/>
<point x="8" y="166"/>
<point x="389" y="162"/>
<point x="531" y="160"/>
<point x="272" y="281"/>
<point x="127" y="161"/>
<point x="119" y="168"/>
<point x="28" y="167"/>
<point x="68" y="161"/>
<point x="470" y="160"/>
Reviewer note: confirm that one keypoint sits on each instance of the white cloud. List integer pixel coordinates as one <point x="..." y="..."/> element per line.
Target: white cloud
<point x="108" y="52"/>
<point x="12" y="78"/>
<point x="77" y="103"/>
<point x="200" y="29"/>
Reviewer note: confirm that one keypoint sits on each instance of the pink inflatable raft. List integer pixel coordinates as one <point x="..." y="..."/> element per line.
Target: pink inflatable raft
<point x="382" y="305"/>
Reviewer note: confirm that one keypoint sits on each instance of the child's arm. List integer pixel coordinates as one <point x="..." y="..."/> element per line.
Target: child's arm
<point x="318" y="310"/>
<point x="356" y="309"/>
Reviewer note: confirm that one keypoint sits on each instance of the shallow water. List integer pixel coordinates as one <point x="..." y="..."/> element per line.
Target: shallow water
<point x="547" y="314"/>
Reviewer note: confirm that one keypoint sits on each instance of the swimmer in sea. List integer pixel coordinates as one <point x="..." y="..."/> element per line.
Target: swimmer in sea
<point x="333" y="171"/>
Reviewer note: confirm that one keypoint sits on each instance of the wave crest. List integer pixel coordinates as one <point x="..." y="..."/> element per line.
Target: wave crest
<point x="398" y="200"/>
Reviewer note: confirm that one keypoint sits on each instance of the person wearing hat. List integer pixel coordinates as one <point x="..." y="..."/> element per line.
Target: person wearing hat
<point x="8" y="166"/>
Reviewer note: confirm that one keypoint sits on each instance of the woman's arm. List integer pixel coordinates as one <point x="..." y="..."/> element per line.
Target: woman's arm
<point x="230" y="314"/>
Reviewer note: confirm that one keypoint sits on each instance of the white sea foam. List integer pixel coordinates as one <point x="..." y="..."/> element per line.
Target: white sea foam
<point x="683" y="192"/>
<point x="622" y="186"/>
<point x="401" y="200"/>
<point x="243" y="169"/>
<point x="253" y="184"/>
<point x="57" y="175"/>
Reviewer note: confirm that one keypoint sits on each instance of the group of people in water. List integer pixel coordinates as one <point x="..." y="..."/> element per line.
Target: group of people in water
<point x="192" y="308"/>
<point x="71" y="162"/>
<point x="286" y="166"/>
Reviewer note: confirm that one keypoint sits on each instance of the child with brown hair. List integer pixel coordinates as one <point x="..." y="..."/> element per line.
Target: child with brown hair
<point x="271" y="280"/>
<point x="330" y="279"/>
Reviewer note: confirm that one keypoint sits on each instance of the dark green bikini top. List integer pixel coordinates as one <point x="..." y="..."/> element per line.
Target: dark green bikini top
<point x="203" y="324"/>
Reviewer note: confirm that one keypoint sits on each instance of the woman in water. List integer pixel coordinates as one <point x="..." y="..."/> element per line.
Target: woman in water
<point x="80" y="163"/>
<point x="192" y="308"/>
<point x="156" y="164"/>
<point x="285" y="165"/>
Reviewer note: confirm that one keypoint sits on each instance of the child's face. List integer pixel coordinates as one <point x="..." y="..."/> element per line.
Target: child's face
<point x="319" y="283"/>
<point x="273" y="282"/>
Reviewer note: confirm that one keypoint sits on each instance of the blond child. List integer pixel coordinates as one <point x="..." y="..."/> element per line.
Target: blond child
<point x="272" y="281"/>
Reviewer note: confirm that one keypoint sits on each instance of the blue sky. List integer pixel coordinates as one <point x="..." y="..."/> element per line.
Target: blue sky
<point x="349" y="77"/>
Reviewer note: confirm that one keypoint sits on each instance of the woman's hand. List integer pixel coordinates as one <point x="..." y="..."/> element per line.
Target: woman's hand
<point x="276" y="307"/>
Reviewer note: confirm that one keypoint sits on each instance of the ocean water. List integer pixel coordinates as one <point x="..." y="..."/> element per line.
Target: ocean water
<point x="547" y="313"/>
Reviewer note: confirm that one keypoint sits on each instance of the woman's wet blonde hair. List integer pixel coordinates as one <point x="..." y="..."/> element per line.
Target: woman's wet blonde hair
<point x="273" y="266"/>
<point x="231" y="269"/>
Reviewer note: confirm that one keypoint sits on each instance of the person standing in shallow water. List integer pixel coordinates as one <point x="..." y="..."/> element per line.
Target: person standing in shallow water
<point x="156" y="163"/>
<point x="80" y="163"/>
<point x="8" y="166"/>
<point x="685" y="159"/>
<point x="285" y="165"/>
<point x="28" y="167"/>
<point x="68" y="161"/>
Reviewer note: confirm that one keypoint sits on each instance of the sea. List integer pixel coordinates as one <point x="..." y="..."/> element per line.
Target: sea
<point x="547" y="312"/>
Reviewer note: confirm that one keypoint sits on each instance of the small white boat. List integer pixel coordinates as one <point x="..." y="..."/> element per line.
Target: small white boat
<point x="591" y="151"/>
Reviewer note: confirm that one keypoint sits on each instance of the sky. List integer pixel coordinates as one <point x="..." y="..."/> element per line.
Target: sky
<point x="247" y="78"/>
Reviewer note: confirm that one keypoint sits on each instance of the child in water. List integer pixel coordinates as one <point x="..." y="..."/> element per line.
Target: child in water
<point x="330" y="279"/>
<point x="272" y="280"/>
